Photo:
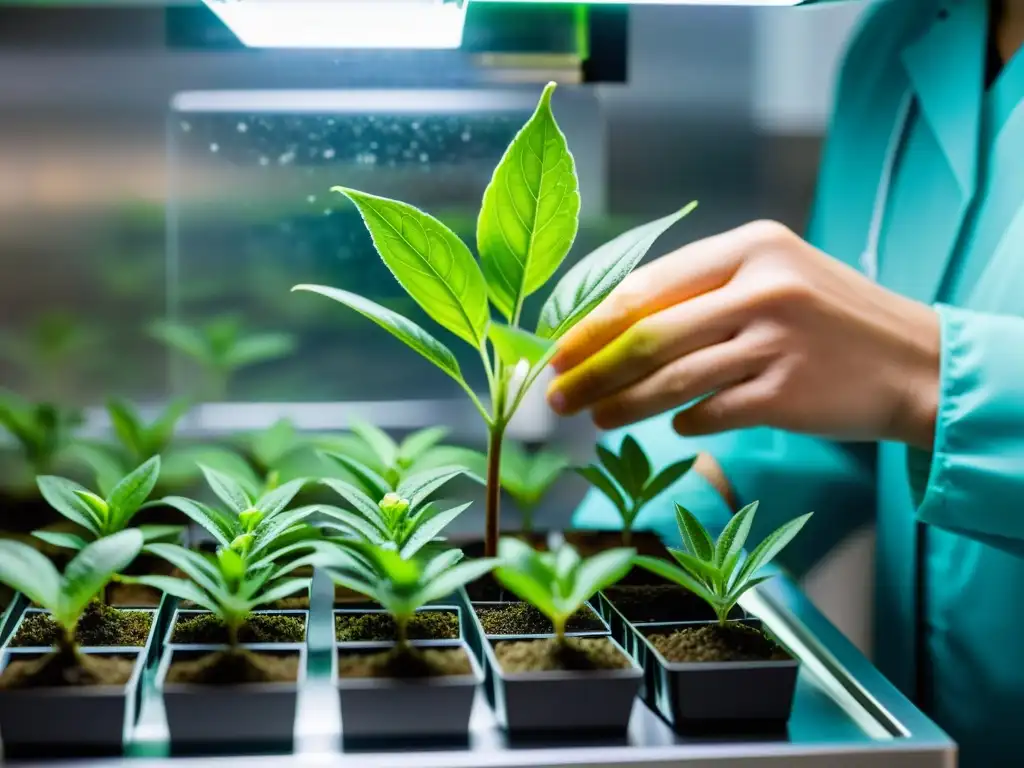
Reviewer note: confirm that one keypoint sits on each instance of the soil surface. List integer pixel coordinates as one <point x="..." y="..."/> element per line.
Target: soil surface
<point x="662" y="602"/>
<point x="233" y="667"/>
<point x="425" y="625"/>
<point x="133" y="596"/>
<point x="524" y="619"/>
<point x="589" y="543"/>
<point x="207" y="629"/>
<point x="290" y="604"/>
<point x="551" y="656"/>
<point x="713" y="642"/>
<point x="475" y="548"/>
<point x="405" y="662"/>
<point x="65" y="669"/>
<point x="100" y="625"/>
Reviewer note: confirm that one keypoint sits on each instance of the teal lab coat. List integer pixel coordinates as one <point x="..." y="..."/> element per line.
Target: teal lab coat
<point x="950" y="521"/>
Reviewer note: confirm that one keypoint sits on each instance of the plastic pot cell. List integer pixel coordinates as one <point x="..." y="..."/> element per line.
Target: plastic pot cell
<point x="181" y="615"/>
<point x="593" y="701"/>
<point x="415" y="633"/>
<point x="250" y="714"/>
<point x="421" y="708"/>
<point x="714" y="695"/>
<point x="11" y="615"/>
<point x="69" y="720"/>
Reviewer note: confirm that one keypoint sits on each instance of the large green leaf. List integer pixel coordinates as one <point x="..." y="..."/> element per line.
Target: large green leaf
<point x="432" y="527"/>
<point x="676" y="575"/>
<point x="215" y="522"/>
<point x="734" y="535"/>
<point x="602" y="482"/>
<point x="26" y="570"/>
<point x="662" y="481"/>
<point x="457" y="576"/>
<point x="62" y="495"/>
<point x="597" y="572"/>
<point x="378" y="440"/>
<point x="227" y="489"/>
<point x="430" y="262"/>
<point x="766" y="551"/>
<point x="595" y="276"/>
<point x="401" y="328"/>
<point x="530" y="212"/>
<point x="694" y="535"/>
<point x="515" y="344"/>
<point x="274" y="501"/>
<point x="132" y="492"/>
<point x="91" y="569"/>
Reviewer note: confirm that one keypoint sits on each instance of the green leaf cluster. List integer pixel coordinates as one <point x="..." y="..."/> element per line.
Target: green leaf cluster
<point x="66" y="595"/>
<point x="99" y="516"/>
<point x="43" y="431"/>
<point x="403" y="520"/>
<point x="559" y="583"/>
<point x="388" y="458"/>
<point x="628" y="480"/>
<point x="398" y="584"/>
<point x="718" y="571"/>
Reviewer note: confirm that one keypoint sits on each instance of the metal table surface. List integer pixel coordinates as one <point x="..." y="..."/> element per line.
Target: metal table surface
<point x="845" y="714"/>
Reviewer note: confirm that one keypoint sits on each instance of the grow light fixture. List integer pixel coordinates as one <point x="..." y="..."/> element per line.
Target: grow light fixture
<point x="344" y="23"/>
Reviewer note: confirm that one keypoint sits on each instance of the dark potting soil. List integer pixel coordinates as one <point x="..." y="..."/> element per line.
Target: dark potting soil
<point x="524" y="619"/>
<point x="233" y="667"/>
<point x="100" y="625"/>
<point x="662" y="602"/>
<point x="549" y="655"/>
<point x="425" y="625"/>
<point x="589" y="543"/>
<point x="64" y="669"/>
<point x="133" y="596"/>
<point x="714" y="642"/>
<point x="405" y="662"/>
<point x="207" y="629"/>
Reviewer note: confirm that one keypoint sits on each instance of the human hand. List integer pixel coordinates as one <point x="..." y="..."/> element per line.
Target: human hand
<point x="773" y="330"/>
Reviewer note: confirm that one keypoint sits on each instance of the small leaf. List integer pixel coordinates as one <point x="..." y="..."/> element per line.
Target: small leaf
<point x="695" y="537"/>
<point x="132" y="492"/>
<point x="181" y="338"/>
<point x="735" y="596"/>
<point x="154" y="534"/>
<point x="596" y="573"/>
<point x="98" y="506"/>
<point x="457" y="576"/>
<point x="127" y="425"/>
<point x="530" y="212"/>
<point x="276" y="500"/>
<point x="699" y="569"/>
<point x="428" y="530"/>
<point x="515" y="344"/>
<point x="179" y="588"/>
<point x="215" y="522"/>
<point x="62" y="540"/>
<point x="227" y="489"/>
<point x="617" y="468"/>
<point x="734" y="535"/>
<point x="637" y="465"/>
<point x="374" y="484"/>
<point x="417" y="488"/>
<point x="597" y="478"/>
<point x="162" y="429"/>
<point x="258" y="348"/>
<point x="28" y="571"/>
<point x="766" y="551"/>
<point x="526" y="588"/>
<point x="194" y="565"/>
<point x="430" y="262"/>
<point x="441" y="563"/>
<point x="363" y="504"/>
<point x="106" y="467"/>
<point x="270" y="528"/>
<point x="379" y="442"/>
<point x="594" y="276"/>
<point x="678" y="576"/>
<point x="61" y="494"/>
<point x="354" y="522"/>
<point x="402" y="329"/>
<point x="91" y="570"/>
<point x="666" y="478"/>
<point x="280" y="591"/>
<point x="418" y="443"/>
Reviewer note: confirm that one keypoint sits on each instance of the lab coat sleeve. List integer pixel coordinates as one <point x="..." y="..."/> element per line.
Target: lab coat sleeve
<point x="972" y="481"/>
<point x="789" y="474"/>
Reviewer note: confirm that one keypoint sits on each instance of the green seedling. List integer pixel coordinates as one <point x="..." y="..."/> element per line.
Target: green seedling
<point x="227" y="584"/>
<point x="401" y="586"/>
<point x="44" y="432"/>
<point x="101" y="516"/>
<point x="390" y="459"/>
<point x="559" y="583"/>
<point x="138" y="440"/>
<point x="54" y="347"/>
<point x="627" y="479"/>
<point x="717" y="571"/>
<point x="25" y="570"/>
<point x="251" y="527"/>
<point x="221" y="348"/>
<point x="402" y="519"/>
<point x="527" y="224"/>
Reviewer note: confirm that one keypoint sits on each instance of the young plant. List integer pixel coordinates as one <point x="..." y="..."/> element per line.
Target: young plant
<point x="221" y="348"/>
<point x="55" y="347"/>
<point x="717" y="571"/>
<point x="100" y="516"/>
<point x="392" y="460"/>
<point x="527" y="225"/>
<point x="66" y="596"/>
<point x="628" y="481"/>
<point x="401" y="586"/>
<point x="228" y="584"/>
<point x="251" y="527"/>
<point x="43" y="432"/>
<point x="402" y="519"/>
<point x="559" y="583"/>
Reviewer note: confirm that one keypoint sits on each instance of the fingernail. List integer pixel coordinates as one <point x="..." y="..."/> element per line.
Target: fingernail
<point x="557" y="401"/>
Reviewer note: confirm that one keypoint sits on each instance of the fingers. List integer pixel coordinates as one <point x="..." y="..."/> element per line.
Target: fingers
<point x="680" y="382"/>
<point x="646" y="347"/>
<point x="744" y="405"/>
<point x="691" y="271"/>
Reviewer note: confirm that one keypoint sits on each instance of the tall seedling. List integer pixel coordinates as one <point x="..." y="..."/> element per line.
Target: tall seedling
<point x="527" y="224"/>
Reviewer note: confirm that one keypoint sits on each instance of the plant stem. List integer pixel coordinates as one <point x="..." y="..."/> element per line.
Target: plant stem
<point x="402" y="631"/>
<point x="233" y="635"/>
<point x="559" y="625"/>
<point x="493" y="506"/>
<point x="627" y="534"/>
